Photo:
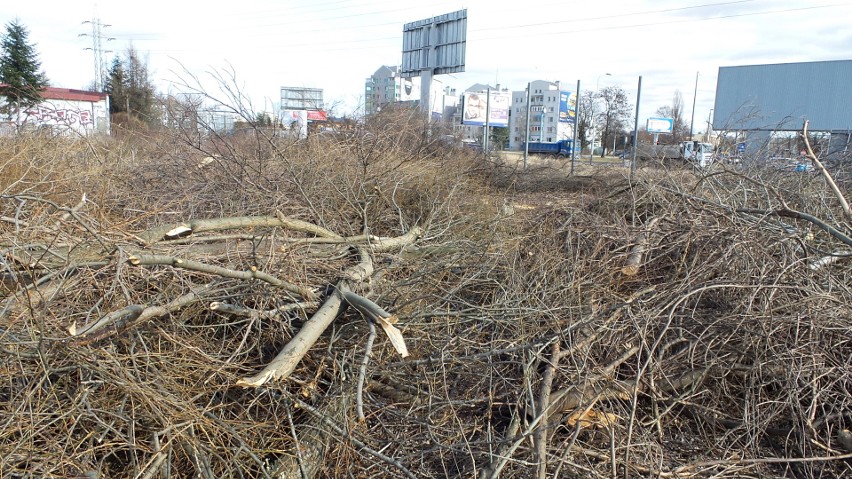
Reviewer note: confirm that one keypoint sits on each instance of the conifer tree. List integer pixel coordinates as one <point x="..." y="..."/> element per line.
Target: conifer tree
<point x="20" y="69"/>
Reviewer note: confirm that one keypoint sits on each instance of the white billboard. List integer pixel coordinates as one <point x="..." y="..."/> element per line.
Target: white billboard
<point x="476" y="105"/>
<point x="660" y="125"/>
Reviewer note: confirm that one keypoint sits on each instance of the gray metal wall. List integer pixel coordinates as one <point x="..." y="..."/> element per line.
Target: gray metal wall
<point x="782" y="96"/>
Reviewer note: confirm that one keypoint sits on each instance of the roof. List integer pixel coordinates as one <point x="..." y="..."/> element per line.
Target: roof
<point x="478" y="87"/>
<point x="54" y="93"/>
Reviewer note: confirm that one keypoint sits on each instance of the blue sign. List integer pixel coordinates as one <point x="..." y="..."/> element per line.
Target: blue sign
<point x="567" y="106"/>
<point x="740" y="147"/>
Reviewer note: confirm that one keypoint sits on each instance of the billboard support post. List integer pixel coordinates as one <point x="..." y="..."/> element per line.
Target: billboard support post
<point x="426" y="93"/>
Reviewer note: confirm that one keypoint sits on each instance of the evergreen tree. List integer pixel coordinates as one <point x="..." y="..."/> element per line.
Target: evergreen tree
<point x="130" y="88"/>
<point x="115" y="86"/>
<point x="20" y="68"/>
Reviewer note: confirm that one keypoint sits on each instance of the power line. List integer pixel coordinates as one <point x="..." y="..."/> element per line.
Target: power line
<point x="98" y="49"/>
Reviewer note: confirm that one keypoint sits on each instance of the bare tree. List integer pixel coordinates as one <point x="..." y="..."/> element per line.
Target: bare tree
<point x="586" y="115"/>
<point x="616" y="113"/>
<point x="675" y="111"/>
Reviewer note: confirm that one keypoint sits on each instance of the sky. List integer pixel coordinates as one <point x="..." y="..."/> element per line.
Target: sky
<point x="255" y="47"/>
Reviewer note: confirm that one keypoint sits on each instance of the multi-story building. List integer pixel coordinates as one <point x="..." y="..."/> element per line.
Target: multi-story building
<point x="550" y="118"/>
<point x="387" y="87"/>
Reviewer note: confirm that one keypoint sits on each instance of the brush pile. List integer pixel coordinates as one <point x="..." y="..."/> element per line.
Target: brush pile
<point x="226" y="308"/>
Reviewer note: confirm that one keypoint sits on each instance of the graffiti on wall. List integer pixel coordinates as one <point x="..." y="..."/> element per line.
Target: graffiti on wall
<point x="48" y="115"/>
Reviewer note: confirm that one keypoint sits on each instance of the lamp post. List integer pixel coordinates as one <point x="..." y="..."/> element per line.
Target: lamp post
<point x="541" y="128"/>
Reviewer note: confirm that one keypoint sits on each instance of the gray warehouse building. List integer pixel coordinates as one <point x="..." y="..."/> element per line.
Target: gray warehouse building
<point x="758" y="100"/>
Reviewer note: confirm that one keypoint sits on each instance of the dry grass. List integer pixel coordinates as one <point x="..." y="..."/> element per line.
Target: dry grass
<point x="725" y="356"/>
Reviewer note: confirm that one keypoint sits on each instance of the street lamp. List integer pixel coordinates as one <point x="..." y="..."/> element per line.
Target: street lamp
<point x="598" y="82"/>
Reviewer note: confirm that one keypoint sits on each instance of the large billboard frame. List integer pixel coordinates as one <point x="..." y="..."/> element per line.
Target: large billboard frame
<point x="434" y="44"/>
<point x="301" y="98"/>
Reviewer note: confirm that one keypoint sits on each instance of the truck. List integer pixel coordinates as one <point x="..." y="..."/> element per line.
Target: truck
<point x="561" y="148"/>
<point x="696" y="152"/>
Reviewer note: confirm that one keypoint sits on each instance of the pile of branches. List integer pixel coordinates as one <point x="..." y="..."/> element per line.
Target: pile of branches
<point x="370" y="305"/>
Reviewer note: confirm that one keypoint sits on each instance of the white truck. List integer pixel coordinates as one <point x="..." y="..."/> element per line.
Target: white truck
<point x="696" y="152"/>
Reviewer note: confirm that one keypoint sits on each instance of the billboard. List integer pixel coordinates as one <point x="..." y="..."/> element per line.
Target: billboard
<point x="435" y="44"/>
<point x="296" y="121"/>
<point x="779" y="97"/>
<point x="300" y="98"/>
<point x="660" y="125"/>
<point x="476" y="105"/>
<point x="567" y="106"/>
<point x="317" y="115"/>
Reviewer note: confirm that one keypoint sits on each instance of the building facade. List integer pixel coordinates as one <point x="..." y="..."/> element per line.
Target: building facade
<point x="63" y="111"/>
<point x="387" y="87"/>
<point x="551" y="117"/>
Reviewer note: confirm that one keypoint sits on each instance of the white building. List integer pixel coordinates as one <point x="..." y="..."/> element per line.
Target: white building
<point x="551" y="115"/>
<point x="387" y="87"/>
<point x="64" y="111"/>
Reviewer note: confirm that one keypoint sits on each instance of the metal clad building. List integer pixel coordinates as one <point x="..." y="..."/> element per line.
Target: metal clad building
<point x="781" y="96"/>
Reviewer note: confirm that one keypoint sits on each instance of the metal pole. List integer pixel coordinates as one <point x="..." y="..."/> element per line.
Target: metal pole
<point x="636" y="129"/>
<point x="694" y="97"/>
<point x="527" y="130"/>
<point x="541" y="124"/>
<point x="709" y="126"/>
<point x="576" y="124"/>
<point x="487" y="114"/>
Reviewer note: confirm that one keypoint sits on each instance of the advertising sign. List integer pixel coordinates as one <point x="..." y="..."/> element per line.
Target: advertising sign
<point x="296" y="121"/>
<point x="476" y="105"/>
<point x="567" y="106"/>
<point x="660" y="125"/>
<point x="317" y="115"/>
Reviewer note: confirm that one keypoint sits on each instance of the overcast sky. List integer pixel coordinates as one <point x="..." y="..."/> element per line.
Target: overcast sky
<point x="336" y="44"/>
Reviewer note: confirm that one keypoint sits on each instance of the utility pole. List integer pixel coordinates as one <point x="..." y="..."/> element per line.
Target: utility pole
<point x="694" y="97"/>
<point x="98" y="49"/>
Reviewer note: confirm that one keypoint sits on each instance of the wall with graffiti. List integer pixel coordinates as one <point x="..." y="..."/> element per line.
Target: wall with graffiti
<point x="64" y="111"/>
<point x="78" y="116"/>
